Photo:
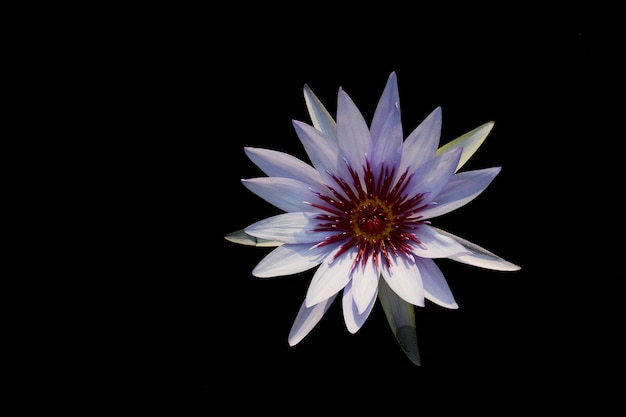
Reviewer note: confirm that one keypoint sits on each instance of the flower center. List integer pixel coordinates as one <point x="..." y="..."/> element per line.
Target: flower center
<point x="374" y="216"/>
<point x="372" y="220"/>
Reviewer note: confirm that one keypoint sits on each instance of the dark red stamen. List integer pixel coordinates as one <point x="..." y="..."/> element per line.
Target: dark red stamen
<point x="373" y="215"/>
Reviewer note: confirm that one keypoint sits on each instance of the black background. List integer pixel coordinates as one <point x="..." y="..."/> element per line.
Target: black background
<point x="199" y="87"/>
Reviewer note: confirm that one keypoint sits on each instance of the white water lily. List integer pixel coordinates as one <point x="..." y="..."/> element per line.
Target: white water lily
<point x="360" y="213"/>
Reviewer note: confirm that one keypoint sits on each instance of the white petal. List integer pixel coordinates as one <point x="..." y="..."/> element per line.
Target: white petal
<point x="322" y="120"/>
<point x="354" y="318"/>
<point x="421" y="144"/>
<point x="470" y="142"/>
<point x="401" y="317"/>
<point x="404" y="278"/>
<point x="387" y="147"/>
<point x="432" y="176"/>
<point x="436" y="287"/>
<point x="279" y="164"/>
<point x="353" y="135"/>
<point x="242" y="238"/>
<point x="388" y="103"/>
<point x="480" y="257"/>
<point x="289" y="259"/>
<point x="436" y="245"/>
<point x="307" y="318"/>
<point x="330" y="278"/>
<point x="294" y="227"/>
<point x="364" y="285"/>
<point x="462" y="188"/>
<point x="285" y="193"/>
<point x="322" y="151"/>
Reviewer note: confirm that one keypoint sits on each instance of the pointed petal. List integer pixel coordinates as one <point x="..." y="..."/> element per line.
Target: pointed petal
<point x="469" y="141"/>
<point x="285" y="193"/>
<point x="279" y="164"/>
<point x="353" y="135"/>
<point x="436" y="288"/>
<point x="401" y="317"/>
<point x="364" y="285"/>
<point x="242" y="238"/>
<point x="404" y="278"/>
<point x="307" y="318"/>
<point x="387" y="146"/>
<point x="430" y="178"/>
<point x="436" y="245"/>
<point x="330" y="278"/>
<point x="420" y="146"/>
<point x="321" y="118"/>
<point x="296" y="227"/>
<point x="353" y="317"/>
<point x="480" y="257"/>
<point x="322" y="151"/>
<point x="289" y="260"/>
<point x="462" y="188"/>
<point x="388" y="103"/>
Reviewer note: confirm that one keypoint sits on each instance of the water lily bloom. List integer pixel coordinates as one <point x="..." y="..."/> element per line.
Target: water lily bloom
<point x="361" y="213"/>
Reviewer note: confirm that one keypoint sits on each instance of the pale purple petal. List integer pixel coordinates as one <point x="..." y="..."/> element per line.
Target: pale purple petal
<point x="321" y="118"/>
<point x="307" y="318"/>
<point x="401" y="317"/>
<point x="322" y="151"/>
<point x="462" y="188"/>
<point x="420" y="146"/>
<point x="285" y="193"/>
<point x="352" y="315"/>
<point x="404" y="278"/>
<point x="388" y="103"/>
<point x="430" y="178"/>
<point x="330" y="278"/>
<point x="296" y="227"/>
<point x="280" y="164"/>
<point x="480" y="257"/>
<point x="436" y="288"/>
<point x="387" y="147"/>
<point x="290" y="259"/>
<point x="436" y="245"/>
<point x="353" y="135"/>
<point x="364" y="284"/>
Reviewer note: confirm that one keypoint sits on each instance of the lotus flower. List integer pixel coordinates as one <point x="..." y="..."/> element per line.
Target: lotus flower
<point x="360" y="213"/>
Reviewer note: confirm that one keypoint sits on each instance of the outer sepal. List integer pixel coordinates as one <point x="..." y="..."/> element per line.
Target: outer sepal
<point x="401" y="317"/>
<point x="470" y="142"/>
<point x="243" y="238"/>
